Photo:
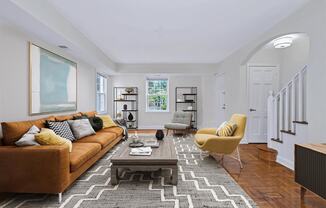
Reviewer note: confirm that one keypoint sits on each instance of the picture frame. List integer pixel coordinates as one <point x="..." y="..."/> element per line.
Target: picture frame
<point x="52" y="82"/>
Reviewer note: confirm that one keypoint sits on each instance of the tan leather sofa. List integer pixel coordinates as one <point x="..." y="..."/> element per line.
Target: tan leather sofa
<point x="48" y="169"/>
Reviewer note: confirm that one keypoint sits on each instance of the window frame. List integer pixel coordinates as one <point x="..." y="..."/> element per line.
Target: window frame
<point x="167" y="100"/>
<point x="105" y="93"/>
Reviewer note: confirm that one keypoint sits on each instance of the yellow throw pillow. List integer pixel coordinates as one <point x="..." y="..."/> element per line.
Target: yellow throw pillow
<point x="226" y="129"/>
<point x="48" y="137"/>
<point x="107" y="121"/>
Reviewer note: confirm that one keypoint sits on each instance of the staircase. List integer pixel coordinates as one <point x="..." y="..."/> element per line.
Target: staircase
<point x="287" y="119"/>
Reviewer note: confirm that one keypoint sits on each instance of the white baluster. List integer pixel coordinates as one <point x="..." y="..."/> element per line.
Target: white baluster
<point x="286" y="110"/>
<point x="276" y="117"/>
<point x="270" y="115"/>
<point x="300" y="97"/>
<point x="281" y="110"/>
<point x="293" y="106"/>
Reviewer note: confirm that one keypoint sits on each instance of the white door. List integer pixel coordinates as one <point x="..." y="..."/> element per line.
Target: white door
<point x="221" y="105"/>
<point x="261" y="79"/>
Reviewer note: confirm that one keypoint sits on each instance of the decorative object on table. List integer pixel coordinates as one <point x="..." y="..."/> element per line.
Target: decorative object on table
<point x="151" y="143"/>
<point x="130" y="126"/>
<point x="189" y="108"/>
<point x="159" y="134"/>
<point x="129" y="90"/>
<point x="125" y="107"/>
<point x="130" y="117"/>
<point x="53" y="82"/>
<point x="135" y="141"/>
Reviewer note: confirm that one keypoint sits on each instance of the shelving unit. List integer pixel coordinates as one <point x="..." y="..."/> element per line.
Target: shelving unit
<point x="186" y="98"/>
<point x="121" y="98"/>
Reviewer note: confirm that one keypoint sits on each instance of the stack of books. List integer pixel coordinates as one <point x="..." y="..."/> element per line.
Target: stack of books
<point x="141" y="151"/>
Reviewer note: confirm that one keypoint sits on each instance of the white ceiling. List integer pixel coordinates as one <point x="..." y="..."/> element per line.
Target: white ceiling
<point x="173" y="31"/>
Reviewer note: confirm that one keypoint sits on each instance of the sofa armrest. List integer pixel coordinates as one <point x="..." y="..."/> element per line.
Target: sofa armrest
<point x="34" y="169"/>
<point x="207" y="131"/>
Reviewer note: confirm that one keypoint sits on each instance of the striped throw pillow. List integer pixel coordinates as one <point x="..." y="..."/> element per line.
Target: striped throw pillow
<point x="226" y="129"/>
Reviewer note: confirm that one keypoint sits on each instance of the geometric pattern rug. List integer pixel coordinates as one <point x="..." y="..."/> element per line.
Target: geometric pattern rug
<point x="201" y="183"/>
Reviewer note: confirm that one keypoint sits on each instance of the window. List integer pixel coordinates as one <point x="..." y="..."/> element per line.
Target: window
<point x="101" y="93"/>
<point x="157" y="95"/>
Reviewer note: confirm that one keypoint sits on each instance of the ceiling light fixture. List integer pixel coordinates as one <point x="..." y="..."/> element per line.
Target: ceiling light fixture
<point x="283" y="42"/>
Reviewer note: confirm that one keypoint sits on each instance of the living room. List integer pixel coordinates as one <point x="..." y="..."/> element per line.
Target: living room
<point x="160" y="104"/>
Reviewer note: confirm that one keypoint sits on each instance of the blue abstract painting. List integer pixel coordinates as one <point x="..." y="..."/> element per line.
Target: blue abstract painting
<point x="53" y="82"/>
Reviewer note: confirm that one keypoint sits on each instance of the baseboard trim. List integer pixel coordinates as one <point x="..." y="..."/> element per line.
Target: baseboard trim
<point x="151" y="127"/>
<point x="285" y="162"/>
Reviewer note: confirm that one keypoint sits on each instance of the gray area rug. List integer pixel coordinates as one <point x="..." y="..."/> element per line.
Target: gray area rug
<point x="202" y="183"/>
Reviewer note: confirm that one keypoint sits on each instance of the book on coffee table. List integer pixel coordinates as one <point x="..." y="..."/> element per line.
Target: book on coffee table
<point x="141" y="151"/>
<point x="151" y="143"/>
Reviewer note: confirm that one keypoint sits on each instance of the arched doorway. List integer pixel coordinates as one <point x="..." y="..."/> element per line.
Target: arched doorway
<point x="270" y="68"/>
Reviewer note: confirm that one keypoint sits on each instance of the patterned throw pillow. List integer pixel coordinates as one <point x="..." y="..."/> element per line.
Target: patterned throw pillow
<point x="226" y="129"/>
<point x="62" y="129"/>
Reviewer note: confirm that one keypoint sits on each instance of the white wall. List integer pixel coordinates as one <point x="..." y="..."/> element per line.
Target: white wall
<point x="153" y="120"/>
<point x="14" y="76"/>
<point x="294" y="58"/>
<point x="310" y="20"/>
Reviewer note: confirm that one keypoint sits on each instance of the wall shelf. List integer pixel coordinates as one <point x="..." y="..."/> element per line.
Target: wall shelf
<point x="122" y="98"/>
<point x="186" y="97"/>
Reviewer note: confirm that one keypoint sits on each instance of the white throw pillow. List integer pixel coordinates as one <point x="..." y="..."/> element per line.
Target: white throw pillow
<point x="81" y="128"/>
<point x="29" y="138"/>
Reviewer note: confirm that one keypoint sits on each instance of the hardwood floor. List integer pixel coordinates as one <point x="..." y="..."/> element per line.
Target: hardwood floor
<point x="269" y="184"/>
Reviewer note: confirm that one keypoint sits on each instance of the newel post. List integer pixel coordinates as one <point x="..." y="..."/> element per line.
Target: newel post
<point x="270" y="115"/>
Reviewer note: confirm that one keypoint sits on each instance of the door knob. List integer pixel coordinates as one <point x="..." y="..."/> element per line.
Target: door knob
<point x="251" y="110"/>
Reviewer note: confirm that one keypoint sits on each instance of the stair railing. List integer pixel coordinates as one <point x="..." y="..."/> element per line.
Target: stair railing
<point x="287" y="107"/>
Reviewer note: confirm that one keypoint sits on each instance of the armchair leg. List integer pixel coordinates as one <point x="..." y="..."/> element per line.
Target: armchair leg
<point x="239" y="158"/>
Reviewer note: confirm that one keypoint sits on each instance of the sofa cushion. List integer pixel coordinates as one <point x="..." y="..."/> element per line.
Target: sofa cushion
<point x="67" y="117"/>
<point x="117" y="130"/>
<point x="89" y="114"/>
<point x="176" y="126"/>
<point x="13" y="131"/>
<point x="81" y="153"/>
<point x="102" y="138"/>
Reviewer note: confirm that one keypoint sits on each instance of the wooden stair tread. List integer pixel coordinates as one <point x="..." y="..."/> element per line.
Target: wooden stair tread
<point x="264" y="147"/>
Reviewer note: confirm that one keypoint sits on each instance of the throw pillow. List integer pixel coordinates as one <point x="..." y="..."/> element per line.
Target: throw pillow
<point x="48" y="137"/>
<point x="107" y="121"/>
<point x="28" y="139"/>
<point x="227" y="129"/>
<point x="61" y="128"/>
<point x="96" y="122"/>
<point x="81" y="128"/>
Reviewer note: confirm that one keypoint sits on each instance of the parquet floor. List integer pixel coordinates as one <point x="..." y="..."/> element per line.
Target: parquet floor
<point x="268" y="184"/>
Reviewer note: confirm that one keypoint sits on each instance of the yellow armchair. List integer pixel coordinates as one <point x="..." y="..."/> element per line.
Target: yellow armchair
<point x="207" y="140"/>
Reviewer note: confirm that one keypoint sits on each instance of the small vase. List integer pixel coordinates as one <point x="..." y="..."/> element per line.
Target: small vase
<point x="130" y="117"/>
<point x="125" y="107"/>
<point x="159" y="135"/>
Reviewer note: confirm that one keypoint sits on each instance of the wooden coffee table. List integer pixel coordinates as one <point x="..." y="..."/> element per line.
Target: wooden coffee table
<point x="163" y="157"/>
